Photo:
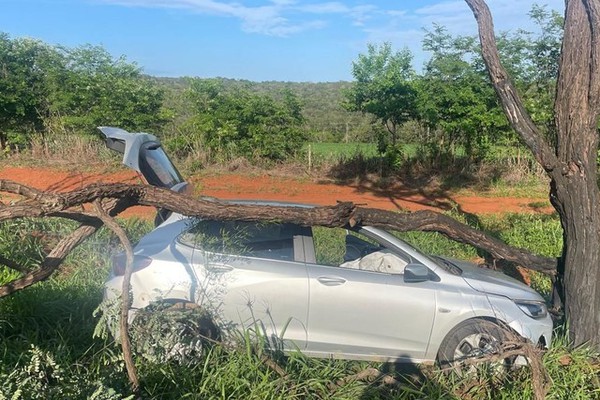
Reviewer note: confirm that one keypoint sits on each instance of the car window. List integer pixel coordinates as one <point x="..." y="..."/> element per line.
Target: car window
<point x="354" y="250"/>
<point x="156" y="166"/>
<point x="239" y="238"/>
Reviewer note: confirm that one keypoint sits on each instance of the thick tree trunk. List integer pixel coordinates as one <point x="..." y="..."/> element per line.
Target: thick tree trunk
<point x="574" y="189"/>
<point x="572" y="165"/>
<point x="579" y="272"/>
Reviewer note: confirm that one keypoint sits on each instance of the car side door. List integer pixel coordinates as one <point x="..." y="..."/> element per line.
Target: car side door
<point x="361" y="312"/>
<point x="249" y="276"/>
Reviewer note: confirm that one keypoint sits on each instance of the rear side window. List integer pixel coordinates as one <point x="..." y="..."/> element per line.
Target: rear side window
<point x="251" y="239"/>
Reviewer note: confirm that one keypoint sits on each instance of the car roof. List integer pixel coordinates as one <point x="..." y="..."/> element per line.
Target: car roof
<point x="269" y="203"/>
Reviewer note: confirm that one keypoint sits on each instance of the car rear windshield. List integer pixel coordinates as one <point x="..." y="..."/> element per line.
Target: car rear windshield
<point x="157" y="168"/>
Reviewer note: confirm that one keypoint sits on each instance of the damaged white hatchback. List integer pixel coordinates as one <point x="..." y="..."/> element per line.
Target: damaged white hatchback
<point x="356" y="293"/>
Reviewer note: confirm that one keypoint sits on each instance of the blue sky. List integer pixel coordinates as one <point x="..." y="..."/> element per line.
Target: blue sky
<point x="259" y="40"/>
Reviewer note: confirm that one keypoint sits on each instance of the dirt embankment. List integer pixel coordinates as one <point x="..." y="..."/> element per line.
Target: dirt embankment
<point x="266" y="187"/>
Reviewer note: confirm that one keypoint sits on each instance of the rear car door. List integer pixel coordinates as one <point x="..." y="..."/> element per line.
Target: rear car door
<point x="252" y="277"/>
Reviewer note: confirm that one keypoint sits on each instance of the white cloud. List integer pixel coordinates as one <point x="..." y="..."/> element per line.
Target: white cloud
<point x="443" y="8"/>
<point x="325" y="8"/>
<point x="402" y="24"/>
<point x="275" y="17"/>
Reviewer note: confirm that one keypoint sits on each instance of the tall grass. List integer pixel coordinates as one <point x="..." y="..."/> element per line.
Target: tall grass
<point x="47" y="350"/>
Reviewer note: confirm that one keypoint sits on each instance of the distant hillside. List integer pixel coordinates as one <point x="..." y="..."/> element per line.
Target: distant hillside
<point x="326" y="120"/>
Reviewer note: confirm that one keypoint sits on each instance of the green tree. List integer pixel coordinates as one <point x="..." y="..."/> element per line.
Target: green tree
<point x="92" y="88"/>
<point x="235" y="121"/>
<point x="456" y="100"/>
<point x="543" y="52"/>
<point x="22" y="87"/>
<point x="383" y="87"/>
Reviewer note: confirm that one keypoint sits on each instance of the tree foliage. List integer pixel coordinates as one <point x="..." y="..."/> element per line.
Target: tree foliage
<point x="22" y="87"/>
<point x="92" y="89"/>
<point x="383" y="86"/>
<point x="455" y="97"/>
<point x="44" y="87"/>
<point x="236" y="122"/>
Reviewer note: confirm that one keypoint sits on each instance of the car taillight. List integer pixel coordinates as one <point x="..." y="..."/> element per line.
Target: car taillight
<point x="119" y="262"/>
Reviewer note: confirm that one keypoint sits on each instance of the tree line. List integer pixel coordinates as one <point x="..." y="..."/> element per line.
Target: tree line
<point x="452" y="99"/>
<point x="450" y="104"/>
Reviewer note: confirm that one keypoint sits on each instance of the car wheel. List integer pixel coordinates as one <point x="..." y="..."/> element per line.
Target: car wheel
<point x="473" y="341"/>
<point x="178" y="332"/>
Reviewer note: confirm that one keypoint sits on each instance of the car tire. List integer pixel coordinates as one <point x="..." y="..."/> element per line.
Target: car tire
<point x="471" y="340"/>
<point x="179" y="332"/>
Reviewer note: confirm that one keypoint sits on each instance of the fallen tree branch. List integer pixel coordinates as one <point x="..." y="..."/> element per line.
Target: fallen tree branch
<point x="431" y="221"/>
<point x="110" y="199"/>
<point x="340" y="215"/>
<point x="125" y="294"/>
<point x="62" y="249"/>
<point x="22" y="190"/>
<point x="51" y="262"/>
<point x="121" y="196"/>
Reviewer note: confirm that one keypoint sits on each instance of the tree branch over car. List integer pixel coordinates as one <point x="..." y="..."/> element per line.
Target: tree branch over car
<point x="569" y="159"/>
<point x="44" y="204"/>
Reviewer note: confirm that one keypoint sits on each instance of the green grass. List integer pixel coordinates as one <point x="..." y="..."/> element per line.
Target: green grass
<point x="48" y="352"/>
<point x="337" y="150"/>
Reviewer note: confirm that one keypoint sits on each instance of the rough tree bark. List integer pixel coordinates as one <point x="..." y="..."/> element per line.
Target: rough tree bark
<point x="572" y="163"/>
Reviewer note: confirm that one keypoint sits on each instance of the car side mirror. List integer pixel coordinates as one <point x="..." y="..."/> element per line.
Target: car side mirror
<point x="416" y="273"/>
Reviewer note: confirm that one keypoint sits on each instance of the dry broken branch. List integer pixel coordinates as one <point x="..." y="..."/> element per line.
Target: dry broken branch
<point x="125" y="293"/>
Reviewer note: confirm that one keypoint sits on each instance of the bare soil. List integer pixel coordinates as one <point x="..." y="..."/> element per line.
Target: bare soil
<point x="301" y="190"/>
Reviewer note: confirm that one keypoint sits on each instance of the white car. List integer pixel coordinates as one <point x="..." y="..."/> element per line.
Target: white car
<point x="372" y="297"/>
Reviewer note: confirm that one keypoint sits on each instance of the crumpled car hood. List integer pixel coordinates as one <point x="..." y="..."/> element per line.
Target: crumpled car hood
<point x="494" y="282"/>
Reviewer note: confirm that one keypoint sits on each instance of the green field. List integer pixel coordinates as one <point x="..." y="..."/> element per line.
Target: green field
<point x="337" y="150"/>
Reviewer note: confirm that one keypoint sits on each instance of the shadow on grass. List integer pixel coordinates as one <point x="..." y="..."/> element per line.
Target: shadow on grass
<point x="426" y="186"/>
<point x="56" y="318"/>
<point x="429" y="179"/>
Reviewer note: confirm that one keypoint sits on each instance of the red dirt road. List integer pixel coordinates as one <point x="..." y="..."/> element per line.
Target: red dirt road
<point x="265" y="187"/>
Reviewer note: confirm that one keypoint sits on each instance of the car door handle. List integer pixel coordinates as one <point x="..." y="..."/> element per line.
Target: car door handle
<point x="220" y="268"/>
<point x="331" y="280"/>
